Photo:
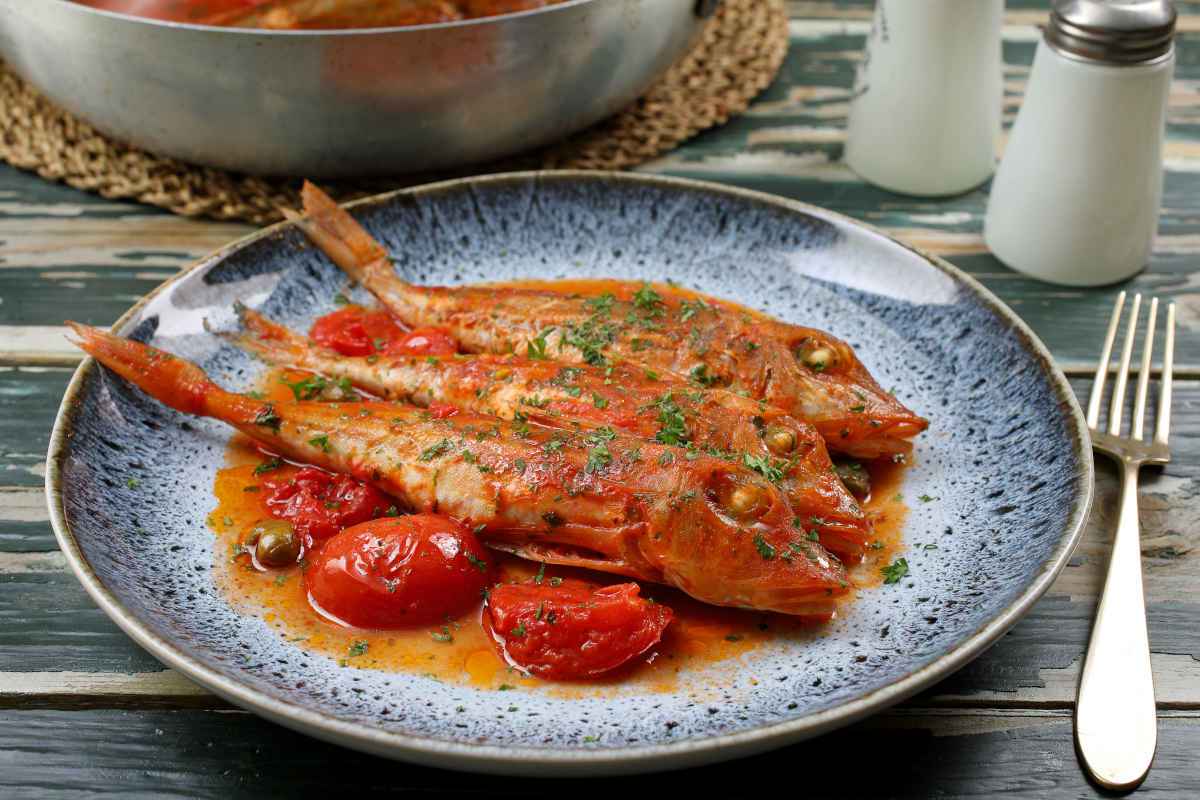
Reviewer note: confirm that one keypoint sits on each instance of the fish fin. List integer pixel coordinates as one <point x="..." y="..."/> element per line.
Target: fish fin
<point x="570" y="557"/>
<point x="267" y="339"/>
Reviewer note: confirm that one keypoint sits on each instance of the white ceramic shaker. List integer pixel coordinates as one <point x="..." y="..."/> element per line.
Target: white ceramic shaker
<point x="1076" y="198"/>
<point x="926" y="113"/>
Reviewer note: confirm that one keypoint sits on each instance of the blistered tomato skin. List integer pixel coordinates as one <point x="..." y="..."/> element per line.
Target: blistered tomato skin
<point x="398" y="572"/>
<point x="358" y="331"/>
<point x="319" y="504"/>
<point x="574" y="630"/>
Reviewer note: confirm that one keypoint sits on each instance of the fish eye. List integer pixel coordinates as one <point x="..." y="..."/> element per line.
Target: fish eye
<point x="780" y="440"/>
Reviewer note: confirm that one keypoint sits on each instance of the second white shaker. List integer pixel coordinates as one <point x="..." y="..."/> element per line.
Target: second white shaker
<point x="1077" y="196"/>
<point x="928" y="98"/>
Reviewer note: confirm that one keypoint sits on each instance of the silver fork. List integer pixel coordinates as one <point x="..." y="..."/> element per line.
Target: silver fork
<point x="1116" y="728"/>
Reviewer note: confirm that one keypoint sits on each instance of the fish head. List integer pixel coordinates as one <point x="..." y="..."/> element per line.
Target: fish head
<point x="736" y="543"/>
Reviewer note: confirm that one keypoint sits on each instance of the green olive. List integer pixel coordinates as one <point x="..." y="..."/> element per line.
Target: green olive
<point x="276" y="543"/>
<point x="781" y="441"/>
<point x="745" y="499"/>
<point x="855" y="476"/>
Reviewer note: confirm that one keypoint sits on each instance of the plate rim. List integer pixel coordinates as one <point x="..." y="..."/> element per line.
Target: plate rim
<point x="527" y="760"/>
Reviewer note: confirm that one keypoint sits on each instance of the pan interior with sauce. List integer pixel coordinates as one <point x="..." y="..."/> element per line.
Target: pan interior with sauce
<point x="315" y="14"/>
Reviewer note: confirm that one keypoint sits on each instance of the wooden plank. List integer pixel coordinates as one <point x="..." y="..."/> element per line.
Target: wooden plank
<point x="223" y="755"/>
<point x="29" y="398"/>
<point x="49" y="624"/>
<point x="24" y="523"/>
<point x="77" y="690"/>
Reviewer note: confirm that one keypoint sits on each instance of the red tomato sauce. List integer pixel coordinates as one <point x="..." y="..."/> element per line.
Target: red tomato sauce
<point x="380" y="14"/>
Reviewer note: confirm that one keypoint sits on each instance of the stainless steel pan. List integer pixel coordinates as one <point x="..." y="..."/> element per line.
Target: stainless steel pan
<point x="347" y="103"/>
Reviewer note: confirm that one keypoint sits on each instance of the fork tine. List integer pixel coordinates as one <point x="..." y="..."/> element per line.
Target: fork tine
<point x="1118" y="398"/>
<point x="1093" y="414"/>
<point x="1168" y="367"/>
<point x="1139" y="406"/>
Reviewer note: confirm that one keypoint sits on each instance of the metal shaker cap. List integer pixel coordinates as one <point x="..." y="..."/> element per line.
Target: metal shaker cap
<point x="1112" y="31"/>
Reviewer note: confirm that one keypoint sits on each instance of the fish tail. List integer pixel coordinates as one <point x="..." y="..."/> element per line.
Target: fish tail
<point x="267" y="339"/>
<point x="171" y="380"/>
<point x="331" y="228"/>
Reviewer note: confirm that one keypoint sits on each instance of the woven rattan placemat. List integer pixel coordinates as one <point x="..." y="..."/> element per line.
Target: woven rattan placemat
<point x="739" y="55"/>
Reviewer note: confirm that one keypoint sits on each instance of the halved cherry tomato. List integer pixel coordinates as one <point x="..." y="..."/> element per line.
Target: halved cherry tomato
<point x="398" y="571"/>
<point x="319" y="503"/>
<point x="358" y="331"/>
<point x="573" y="630"/>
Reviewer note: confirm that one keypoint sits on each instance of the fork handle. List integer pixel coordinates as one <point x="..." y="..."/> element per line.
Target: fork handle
<point x="1116" y="727"/>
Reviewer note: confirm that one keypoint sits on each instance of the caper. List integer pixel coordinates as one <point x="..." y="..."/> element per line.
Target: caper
<point x="855" y="476"/>
<point x="745" y="499"/>
<point x="781" y="441"/>
<point x="277" y="544"/>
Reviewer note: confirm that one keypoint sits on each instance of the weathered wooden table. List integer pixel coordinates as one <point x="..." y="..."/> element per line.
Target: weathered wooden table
<point x="84" y="710"/>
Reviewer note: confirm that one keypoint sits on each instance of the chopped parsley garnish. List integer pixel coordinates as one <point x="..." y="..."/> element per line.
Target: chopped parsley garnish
<point x="599" y="457"/>
<point x="763" y="465"/>
<point x="433" y="451"/>
<point x="537" y="346"/>
<point x="520" y="465"/>
<point x="672" y="425"/>
<point x="639" y="345"/>
<point x="895" y="571"/>
<point x="553" y="445"/>
<point x="700" y="375"/>
<point x="322" y="442"/>
<point x="647" y="299"/>
<point x="444" y="635"/>
<point x="690" y="308"/>
<point x="476" y="562"/>
<point x="132" y="483"/>
<point x="267" y="418"/>
<point x="666" y="458"/>
<point x="601" y="304"/>
<point x="555" y="582"/>
<point x="519" y="630"/>
<point x="590" y="337"/>
<point x="520" y="426"/>
<point x="535" y="401"/>
<point x="340" y="299"/>
<point x="358" y="647"/>
<point x="765" y="549"/>
<point x="573" y="391"/>
<point x="541" y="573"/>
<point x="926" y="498"/>
<point x="598" y="401"/>
<point x="553" y="519"/>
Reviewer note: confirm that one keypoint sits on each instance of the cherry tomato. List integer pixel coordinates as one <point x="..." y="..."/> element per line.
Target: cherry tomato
<point x="398" y="571"/>
<point x="320" y="503"/>
<point x="425" y="342"/>
<point x="358" y="331"/>
<point x="573" y="630"/>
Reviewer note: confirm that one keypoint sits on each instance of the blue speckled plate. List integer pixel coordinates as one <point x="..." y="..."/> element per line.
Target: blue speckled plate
<point x="1005" y="457"/>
